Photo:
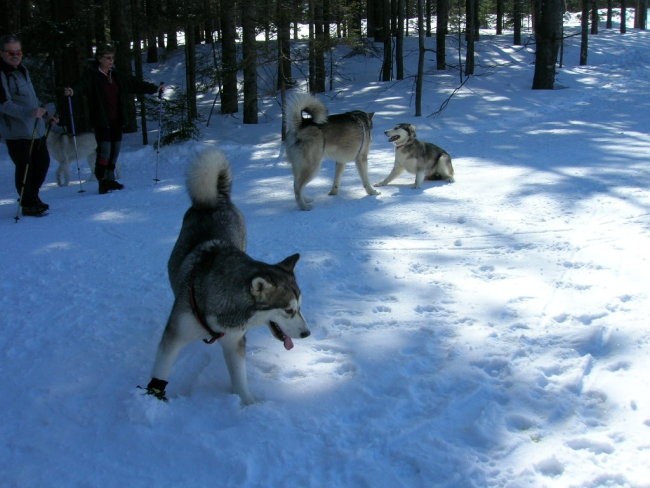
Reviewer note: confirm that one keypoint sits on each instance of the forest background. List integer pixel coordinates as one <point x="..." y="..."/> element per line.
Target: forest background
<point x="258" y="48"/>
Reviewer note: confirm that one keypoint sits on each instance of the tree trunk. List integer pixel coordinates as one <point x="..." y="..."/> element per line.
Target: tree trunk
<point x="470" y="16"/>
<point x="623" y="16"/>
<point x="387" y="65"/>
<point x="137" y="55"/>
<point x="151" y="26"/>
<point x="641" y="19"/>
<point x="641" y="15"/>
<point x="399" y="40"/>
<point x="610" y="6"/>
<point x="190" y="71"/>
<point x="421" y="51"/>
<point x="170" y="10"/>
<point x="548" y="34"/>
<point x="584" y="32"/>
<point x="442" y="28"/>
<point x="517" y="19"/>
<point x="594" y="17"/>
<point x="121" y="39"/>
<point x="285" y="78"/>
<point x="249" y="50"/>
<point x="317" y="63"/>
<point x="229" y="100"/>
<point x="499" y="17"/>
<point x="372" y="15"/>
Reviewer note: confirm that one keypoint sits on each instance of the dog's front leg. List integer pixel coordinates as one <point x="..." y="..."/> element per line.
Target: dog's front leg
<point x="395" y="172"/>
<point x="419" y="178"/>
<point x="234" y="352"/>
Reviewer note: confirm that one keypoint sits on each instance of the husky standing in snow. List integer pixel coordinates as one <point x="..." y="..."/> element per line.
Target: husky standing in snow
<point x="220" y="292"/>
<point x="343" y="137"/>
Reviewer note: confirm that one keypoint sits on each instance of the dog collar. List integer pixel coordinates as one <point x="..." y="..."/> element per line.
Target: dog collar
<point x="200" y="318"/>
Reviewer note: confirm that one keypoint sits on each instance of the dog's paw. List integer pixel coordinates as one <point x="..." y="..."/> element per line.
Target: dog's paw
<point x="160" y="395"/>
<point x="156" y="388"/>
<point x="154" y="392"/>
<point x="381" y="183"/>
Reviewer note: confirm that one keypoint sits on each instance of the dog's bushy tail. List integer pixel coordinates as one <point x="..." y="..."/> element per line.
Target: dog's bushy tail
<point x="209" y="179"/>
<point x="305" y="103"/>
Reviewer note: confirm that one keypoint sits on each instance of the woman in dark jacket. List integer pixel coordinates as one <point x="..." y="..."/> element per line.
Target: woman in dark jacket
<point x="108" y="93"/>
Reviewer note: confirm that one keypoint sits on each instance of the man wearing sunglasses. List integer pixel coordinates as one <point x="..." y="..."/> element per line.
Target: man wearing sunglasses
<point x="22" y="126"/>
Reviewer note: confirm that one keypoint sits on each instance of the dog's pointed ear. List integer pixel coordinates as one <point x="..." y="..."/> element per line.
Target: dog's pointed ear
<point x="370" y="115"/>
<point x="289" y="263"/>
<point x="260" y="288"/>
<point x="412" y="128"/>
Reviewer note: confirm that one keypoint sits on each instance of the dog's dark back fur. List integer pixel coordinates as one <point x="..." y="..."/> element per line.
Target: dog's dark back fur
<point x="212" y="214"/>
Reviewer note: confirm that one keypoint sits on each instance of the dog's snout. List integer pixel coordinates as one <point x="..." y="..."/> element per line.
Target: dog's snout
<point x="305" y="334"/>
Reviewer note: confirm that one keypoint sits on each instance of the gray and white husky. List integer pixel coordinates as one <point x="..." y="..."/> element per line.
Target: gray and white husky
<point x="62" y="149"/>
<point x="342" y="137"/>
<point x="423" y="159"/>
<point x="220" y="292"/>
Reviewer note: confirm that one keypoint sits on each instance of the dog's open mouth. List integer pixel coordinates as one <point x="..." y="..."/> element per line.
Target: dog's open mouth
<point x="280" y="335"/>
<point x="393" y="138"/>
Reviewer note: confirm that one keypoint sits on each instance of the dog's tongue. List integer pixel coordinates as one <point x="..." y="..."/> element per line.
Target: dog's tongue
<point x="288" y="343"/>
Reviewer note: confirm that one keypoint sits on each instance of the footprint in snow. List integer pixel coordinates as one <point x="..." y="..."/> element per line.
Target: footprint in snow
<point x="590" y="445"/>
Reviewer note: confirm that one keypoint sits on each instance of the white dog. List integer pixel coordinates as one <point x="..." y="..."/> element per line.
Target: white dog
<point x="62" y="148"/>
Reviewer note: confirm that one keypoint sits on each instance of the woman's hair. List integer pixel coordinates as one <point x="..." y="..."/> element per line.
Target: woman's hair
<point x="104" y="49"/>
<point x="8" y="39"/>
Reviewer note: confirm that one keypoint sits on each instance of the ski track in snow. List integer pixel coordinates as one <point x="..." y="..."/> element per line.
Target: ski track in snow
<point x="490" y="332"/>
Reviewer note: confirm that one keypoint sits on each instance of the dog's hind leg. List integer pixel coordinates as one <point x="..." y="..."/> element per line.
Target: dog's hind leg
<point x="92" y="157"/>
<point x="302" y="176"/>
<point x="338" y="173"/>
<point x="419" y="178"/>
<point x="303" y="203"/>
<point x="234" y="352"/>
<point x="362" y="167"/>
<point x="445" y="169"/>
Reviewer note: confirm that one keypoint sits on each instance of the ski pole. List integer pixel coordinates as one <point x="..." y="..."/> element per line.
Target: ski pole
<point x="160" y="99"/>
<point x="29" y="160"/>
<point x="74" y="140"/>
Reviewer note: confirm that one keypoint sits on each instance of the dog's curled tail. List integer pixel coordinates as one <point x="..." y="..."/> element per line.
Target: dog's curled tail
<point x="308" y="104"/>
<point x="209" y="179"/>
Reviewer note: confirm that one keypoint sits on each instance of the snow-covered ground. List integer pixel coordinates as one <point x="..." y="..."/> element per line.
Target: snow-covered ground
<point x="490" y="332"/>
